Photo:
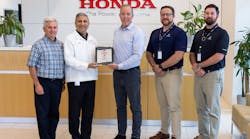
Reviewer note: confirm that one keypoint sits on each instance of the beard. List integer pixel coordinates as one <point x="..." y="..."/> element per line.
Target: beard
<point x="210" y="21"/>
<point x="164" y="23"/>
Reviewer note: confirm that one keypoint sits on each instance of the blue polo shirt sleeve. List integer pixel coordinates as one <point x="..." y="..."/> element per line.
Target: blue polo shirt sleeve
<point x="151" y="42"/>
<point x="222" y="43"/>
<point x="181" y="41"/>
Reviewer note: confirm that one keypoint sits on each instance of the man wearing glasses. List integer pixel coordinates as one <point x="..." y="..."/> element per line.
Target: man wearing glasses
<point x="165" y="52"/>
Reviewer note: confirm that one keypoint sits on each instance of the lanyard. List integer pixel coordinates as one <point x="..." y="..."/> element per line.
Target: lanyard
<point x="164" y="34"/>
<point x="204" y="37"/>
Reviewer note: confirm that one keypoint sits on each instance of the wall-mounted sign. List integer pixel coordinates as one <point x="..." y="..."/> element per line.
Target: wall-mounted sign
<point x="103" y="4"/>
<point x="110" y="8"/>
<point x="105" y="11"/>
<point x="103" y="15"/>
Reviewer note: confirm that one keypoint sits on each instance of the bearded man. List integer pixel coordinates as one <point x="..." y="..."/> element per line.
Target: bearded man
<point x="165" y="52"/>
<point x="207" y="56"/>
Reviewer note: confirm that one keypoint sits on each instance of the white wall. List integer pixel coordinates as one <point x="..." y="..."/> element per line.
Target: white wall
<point x="101" y="27"/>
<point x="8" y="4"/>
<point x="228" y="22"/>
<point x="242" y="21"/>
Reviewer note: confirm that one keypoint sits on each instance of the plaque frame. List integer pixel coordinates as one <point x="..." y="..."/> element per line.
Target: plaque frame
<point x="107" y="60"/>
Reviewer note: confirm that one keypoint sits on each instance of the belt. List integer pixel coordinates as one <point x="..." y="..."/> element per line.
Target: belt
<point x="211" y="70"/>
<point x="122" y="71"/>
<point x="49" y="79"/>
<point x="171" y="68"/>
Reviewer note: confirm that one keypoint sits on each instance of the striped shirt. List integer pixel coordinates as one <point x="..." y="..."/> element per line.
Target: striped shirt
<point x="128" y="45"/>
<point x="47" y="57"/>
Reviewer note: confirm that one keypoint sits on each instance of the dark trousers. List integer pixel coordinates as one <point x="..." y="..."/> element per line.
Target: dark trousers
<point x="47" y="107"/>
<point x="127" y="84"/>
<point x="81" y="98"/>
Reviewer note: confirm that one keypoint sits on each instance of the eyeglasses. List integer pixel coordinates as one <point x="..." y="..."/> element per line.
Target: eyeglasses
<point x="209" y="13"/>
<point x="166" y="14"/>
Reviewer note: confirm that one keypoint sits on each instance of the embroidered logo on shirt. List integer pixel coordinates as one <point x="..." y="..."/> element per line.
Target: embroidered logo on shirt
<point x="209" y="38"/>
<point x="169" y="35"/>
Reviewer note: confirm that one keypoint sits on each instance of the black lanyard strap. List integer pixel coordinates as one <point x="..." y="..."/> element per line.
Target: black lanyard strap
<point x="204" y="37"/>
<point x="164" y="34"/>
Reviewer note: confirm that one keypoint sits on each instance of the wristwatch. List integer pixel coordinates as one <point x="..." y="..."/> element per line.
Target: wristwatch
<point x="160" y="66"/>
<point x="198" y="66"/>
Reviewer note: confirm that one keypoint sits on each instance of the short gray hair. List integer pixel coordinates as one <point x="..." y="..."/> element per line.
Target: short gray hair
<point x="81" y="14"/>
<point x="48" y="19"/>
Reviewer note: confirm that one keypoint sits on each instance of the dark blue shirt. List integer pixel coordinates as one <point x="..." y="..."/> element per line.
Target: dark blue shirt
<point x="174" y="40"/>
<point x="215" y="42"/>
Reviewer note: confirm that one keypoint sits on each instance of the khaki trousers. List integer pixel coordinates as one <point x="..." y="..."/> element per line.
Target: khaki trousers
<point x="168" y="94"/>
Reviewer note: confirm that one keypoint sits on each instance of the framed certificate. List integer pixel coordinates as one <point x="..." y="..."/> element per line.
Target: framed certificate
<point x="104" y="55"/>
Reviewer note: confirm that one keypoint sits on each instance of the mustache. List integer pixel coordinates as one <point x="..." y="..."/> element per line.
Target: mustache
<point x="210" y="22"/>
<point x="165" y="20"/>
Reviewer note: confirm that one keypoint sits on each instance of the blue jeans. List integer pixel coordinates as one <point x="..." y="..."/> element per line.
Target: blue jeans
<point x="127" y="84"/>
<point x="47" y="107"/>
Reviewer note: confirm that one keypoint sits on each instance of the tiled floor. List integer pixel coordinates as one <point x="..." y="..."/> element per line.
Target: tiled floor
<point x="29" y="131"/>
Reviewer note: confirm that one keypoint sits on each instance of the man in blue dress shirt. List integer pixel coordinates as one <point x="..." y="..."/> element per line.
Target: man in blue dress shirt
<point x="128" y="48"/>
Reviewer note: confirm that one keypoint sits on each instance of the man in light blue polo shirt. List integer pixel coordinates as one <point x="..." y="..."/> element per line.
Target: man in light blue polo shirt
<point x="128" y="47"/>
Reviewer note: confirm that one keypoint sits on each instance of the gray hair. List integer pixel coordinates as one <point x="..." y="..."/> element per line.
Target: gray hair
<point x="81" y="14"/>
<point x="127" y="5"/>
<point x="48" y="19"/>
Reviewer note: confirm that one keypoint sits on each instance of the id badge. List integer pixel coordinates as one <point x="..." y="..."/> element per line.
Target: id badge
<point x="199" y="57"/>
<point x="77" y="83"/>
<point x="159" y="55"/>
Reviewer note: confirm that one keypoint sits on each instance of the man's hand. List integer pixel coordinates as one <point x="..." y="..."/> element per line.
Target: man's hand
<point x="93" y="65"/>
<point x="195" y="67"/>
<point x="160" y="73"/>
<point x="200" y="73"/>
<point x="157" y="70"/>
<point x="39" y="89"/>
<point x="113" y="66"/>
<point x="198" y="70"/>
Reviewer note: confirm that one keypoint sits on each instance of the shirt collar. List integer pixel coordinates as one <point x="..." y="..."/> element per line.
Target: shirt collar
<point x="172" y="26"/>
<point x="49" y="40"/>
<point x="129" y="27"/>
<point x="82" y="35"/>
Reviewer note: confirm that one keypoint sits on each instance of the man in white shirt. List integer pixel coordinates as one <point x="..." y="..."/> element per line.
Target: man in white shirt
<point x="81" y="74"/>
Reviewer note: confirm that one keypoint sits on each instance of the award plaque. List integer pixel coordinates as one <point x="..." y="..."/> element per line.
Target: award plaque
<point x="104" y="55"/>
